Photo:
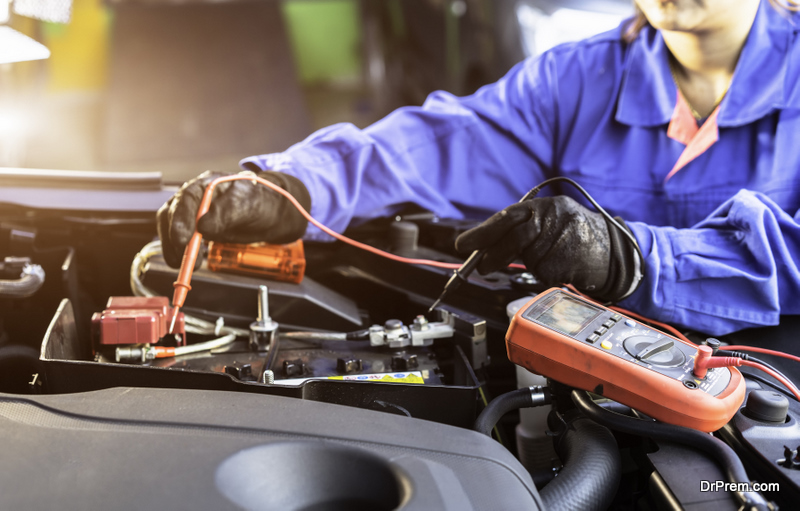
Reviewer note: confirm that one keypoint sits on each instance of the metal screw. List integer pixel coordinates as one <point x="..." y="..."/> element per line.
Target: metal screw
<point x="268" y="377"/>
<point x="264" y="328"/>
<point x="263" y="304"/>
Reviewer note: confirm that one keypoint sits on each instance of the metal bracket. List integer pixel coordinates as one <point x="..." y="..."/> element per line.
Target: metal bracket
<point x="422" y="332"/>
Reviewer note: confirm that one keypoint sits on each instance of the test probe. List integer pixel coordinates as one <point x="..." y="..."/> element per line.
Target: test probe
<point x="190" y="254"/>
<point x="461" y="274"/>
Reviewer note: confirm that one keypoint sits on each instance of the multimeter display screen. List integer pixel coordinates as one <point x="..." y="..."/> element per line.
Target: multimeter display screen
<point x="568" y="315"/>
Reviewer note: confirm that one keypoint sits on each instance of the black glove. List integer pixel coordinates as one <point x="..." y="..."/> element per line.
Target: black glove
<point x="240" y="212"/>
<point x="561" y="242"/>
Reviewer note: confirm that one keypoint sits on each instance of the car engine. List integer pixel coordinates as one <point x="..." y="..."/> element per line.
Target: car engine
<point x="311" y="377"/>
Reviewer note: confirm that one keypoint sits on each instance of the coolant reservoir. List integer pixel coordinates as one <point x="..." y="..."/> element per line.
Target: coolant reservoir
<point x="286" y="263"/>
<point x="534" y="447"/>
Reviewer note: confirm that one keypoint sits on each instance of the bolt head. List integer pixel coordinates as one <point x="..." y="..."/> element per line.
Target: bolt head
<point x="393" y="324"/>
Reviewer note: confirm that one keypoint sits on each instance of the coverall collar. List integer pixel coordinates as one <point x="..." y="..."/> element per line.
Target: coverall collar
<point x="648" y="95"/>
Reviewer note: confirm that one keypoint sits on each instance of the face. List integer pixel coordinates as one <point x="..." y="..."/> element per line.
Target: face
<point x="691" y="15"/>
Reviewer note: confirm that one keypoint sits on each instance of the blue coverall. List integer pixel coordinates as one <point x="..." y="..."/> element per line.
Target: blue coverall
<point x="720" y="237"/>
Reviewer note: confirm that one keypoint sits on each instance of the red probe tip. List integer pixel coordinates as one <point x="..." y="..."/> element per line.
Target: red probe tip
<point x="174" y="317"/>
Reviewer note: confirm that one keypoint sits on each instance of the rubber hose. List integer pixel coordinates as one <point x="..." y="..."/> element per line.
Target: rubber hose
<point x="501" y="405"/>
<point x="29" y="282"/>
<point x="592" y="468"/>
<point x="719" y="450"/>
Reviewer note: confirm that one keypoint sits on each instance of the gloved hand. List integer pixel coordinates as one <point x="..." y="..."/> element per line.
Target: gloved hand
<point x="561" y="242"/>
<point x="240" y="212"/>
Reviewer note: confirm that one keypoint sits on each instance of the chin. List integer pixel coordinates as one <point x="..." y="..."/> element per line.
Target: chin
<point x="672" y="15"/>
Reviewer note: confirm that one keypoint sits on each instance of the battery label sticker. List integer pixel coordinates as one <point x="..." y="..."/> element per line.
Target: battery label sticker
<point x="414" y="377"/>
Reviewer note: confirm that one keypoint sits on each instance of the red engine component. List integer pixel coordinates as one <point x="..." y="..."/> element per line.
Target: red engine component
<point x="135" y="320"/>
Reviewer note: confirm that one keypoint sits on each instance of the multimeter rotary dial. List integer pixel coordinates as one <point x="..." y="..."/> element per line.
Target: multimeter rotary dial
<point x="661" y="352"/>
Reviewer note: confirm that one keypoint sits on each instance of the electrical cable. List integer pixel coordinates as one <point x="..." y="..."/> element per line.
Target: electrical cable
<point x="165" y="352"/>
<point x="535" y="190"/>
<point x="531" y="194"/>
<point x="745" y="356"/>
<point x="759" y="361"/>
<point x="358" y="335"/>
<point x="461" y="273"/>
<point x="788" y="384"/>
<point x="725" y="456"/>
<point x="705" y="361"/>
<point x="462" y="270"/>
<point x="761" y="350"/>
<point x="250" y="176"/>
<point x="315" y="336"/>
<point x="182" y="284"/>
<point x="773" y="386"/>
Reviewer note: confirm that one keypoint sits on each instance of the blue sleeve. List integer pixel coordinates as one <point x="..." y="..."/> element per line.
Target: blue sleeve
<point x="457" y="157"/>
<point x="736" y="269"/>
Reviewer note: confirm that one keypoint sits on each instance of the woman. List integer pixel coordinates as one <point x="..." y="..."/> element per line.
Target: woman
<point x="683" y="122"/>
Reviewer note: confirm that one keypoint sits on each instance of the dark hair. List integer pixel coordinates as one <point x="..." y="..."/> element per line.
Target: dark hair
<point x="635" y="24"/>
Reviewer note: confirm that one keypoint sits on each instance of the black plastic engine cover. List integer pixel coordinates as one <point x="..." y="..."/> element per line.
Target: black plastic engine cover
<point x="234" y="297"/>
<point x="133" y="448"/>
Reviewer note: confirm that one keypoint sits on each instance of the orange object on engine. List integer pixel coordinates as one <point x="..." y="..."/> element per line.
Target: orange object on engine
<point x="286" y="263"/>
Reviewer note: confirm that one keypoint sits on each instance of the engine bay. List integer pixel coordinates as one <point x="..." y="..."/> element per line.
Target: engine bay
<point x="322" y="387"/>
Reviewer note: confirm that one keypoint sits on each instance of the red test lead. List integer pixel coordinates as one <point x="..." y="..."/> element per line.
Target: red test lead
<point x="182" y="285"/>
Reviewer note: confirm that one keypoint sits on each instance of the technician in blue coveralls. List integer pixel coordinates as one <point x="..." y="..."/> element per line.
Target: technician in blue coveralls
<point x="684" y="122"/>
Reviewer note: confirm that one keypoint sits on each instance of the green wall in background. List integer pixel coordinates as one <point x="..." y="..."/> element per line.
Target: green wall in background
<point x="325" y="37"/>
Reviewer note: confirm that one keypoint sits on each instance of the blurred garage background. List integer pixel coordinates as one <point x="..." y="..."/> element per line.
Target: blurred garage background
<point x="181" y="86"/>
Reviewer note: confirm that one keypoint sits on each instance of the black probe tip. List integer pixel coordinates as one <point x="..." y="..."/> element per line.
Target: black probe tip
<point x="436" y="303"/>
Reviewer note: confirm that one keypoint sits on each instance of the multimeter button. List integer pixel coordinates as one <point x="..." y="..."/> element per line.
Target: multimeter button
<point x="601" y="330"/>
<point x="592" y="338"/>
<point x="606" y="344"/>
<point x="616" y="317"/>
<point x="608" y="324"/>
<point x="630" y="323"/>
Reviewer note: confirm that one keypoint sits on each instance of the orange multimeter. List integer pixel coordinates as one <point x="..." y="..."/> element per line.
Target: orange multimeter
<point x="582" y="344"/>
<point x="286" y="263"/>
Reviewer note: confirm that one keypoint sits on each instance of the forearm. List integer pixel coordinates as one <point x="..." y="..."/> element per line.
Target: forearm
<point x="736" y="269"/>
<point x="453" y="156"/>
<point x="352" y="175"/>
